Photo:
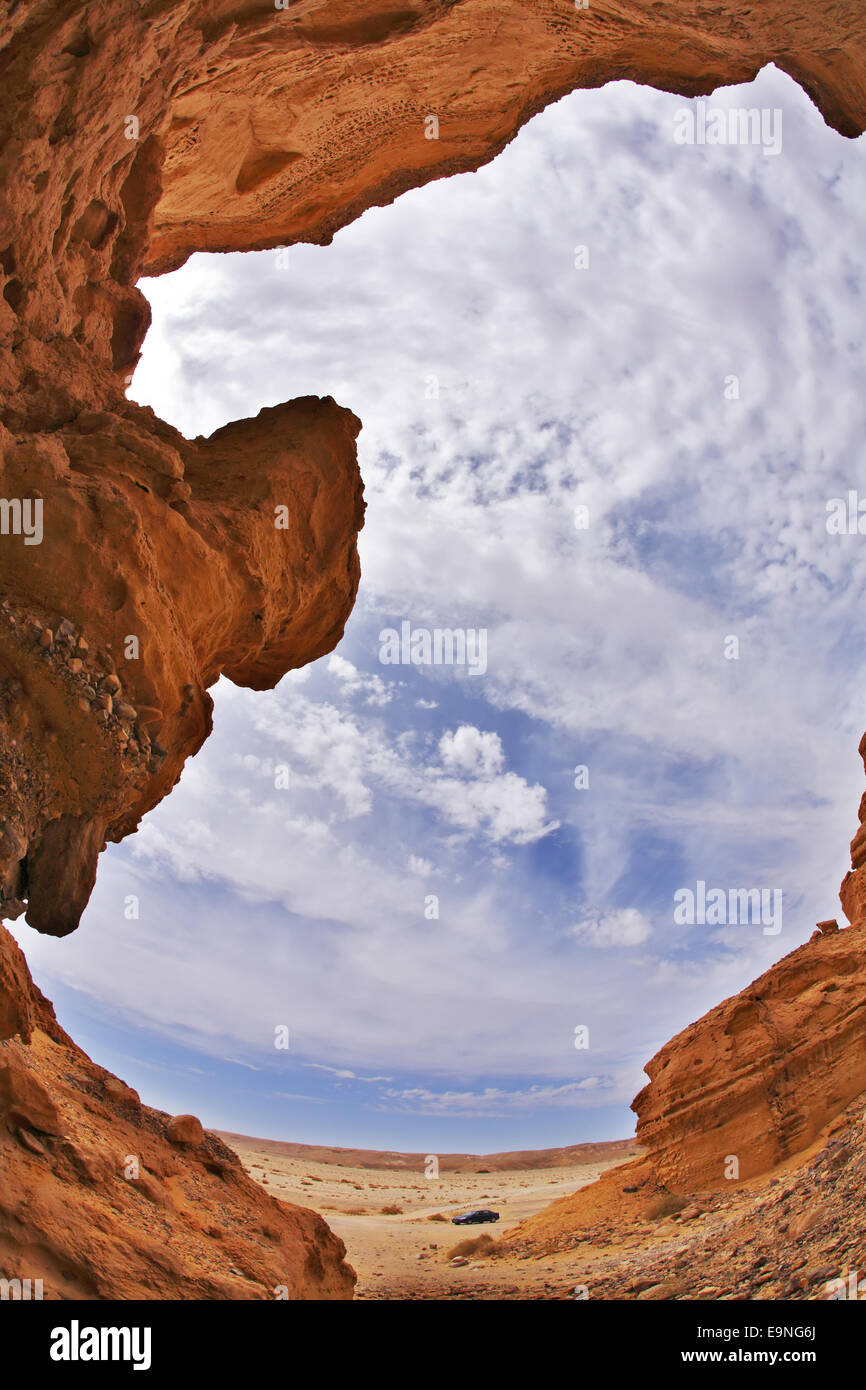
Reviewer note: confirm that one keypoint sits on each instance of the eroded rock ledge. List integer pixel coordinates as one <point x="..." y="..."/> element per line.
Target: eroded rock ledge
<point x="758" y="1077"/>
<point x="103" y="1197"/>
<point x="134" y="132"/>
<point x="162" y="566"/>
<point x="760" y="1101"/>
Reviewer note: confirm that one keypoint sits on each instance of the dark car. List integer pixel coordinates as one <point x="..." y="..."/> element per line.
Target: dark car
<point x="475" y="1218"/>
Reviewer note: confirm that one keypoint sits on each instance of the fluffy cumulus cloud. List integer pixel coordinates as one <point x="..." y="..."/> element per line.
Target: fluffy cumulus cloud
<point x="610" y="385"/>
<point x="468" y="750"/>
<point x="373" y="688"/>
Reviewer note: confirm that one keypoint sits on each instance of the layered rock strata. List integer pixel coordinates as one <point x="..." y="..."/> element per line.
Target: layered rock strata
<point x="758" y="1077"/>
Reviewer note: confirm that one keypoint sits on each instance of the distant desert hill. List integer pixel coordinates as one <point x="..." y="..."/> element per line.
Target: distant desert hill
<point x="522" y="1160"/>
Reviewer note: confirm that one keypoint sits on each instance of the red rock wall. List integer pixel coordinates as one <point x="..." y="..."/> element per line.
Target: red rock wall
<point x="852" y="894"/>
<point x="760" y="1075"/>
<point x="100" y="1199"/>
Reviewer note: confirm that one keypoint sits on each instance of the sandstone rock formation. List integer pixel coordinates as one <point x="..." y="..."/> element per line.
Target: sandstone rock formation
<point x="137" y="131"/>
<point x="162" y="565"/>
<point x="738" y="1096"/>
<point x="759" y="1076"/>
<point x="136" y="566"/>
<point x="798" y="1235"/>
<point x="98" y="1202"/>
<point x="736" y="1104"/>
<point x="184" y="1129"/>
<point x="852" y="894"/>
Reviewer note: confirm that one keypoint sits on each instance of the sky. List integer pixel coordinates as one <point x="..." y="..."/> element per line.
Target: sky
<point x="610" y="385"/>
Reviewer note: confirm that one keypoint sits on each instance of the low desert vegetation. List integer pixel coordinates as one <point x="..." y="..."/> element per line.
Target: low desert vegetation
<point x="478" y="1245"/>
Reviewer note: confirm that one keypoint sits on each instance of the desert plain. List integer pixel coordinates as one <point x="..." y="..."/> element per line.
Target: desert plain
<point x="396" y="1222"/>
<point x="587" y="1222"/>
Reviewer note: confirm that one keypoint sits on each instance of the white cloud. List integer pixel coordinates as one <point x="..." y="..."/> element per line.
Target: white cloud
<point x="608" y="930"/>
<point x="337" y="753"/>
<point x="470" y="751"/>
<point x="345" y="1074"/>
<point x="421" y="867"/>
<point x="504" y="807"/>
<point x="493" y="1100"/>
<point x="376" y="691"/>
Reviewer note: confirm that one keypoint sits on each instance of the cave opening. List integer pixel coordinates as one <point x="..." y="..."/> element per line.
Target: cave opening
<point x="611" y="392"/>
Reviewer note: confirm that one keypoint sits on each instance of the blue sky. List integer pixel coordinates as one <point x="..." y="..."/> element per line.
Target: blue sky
<point x="501" y="387"/>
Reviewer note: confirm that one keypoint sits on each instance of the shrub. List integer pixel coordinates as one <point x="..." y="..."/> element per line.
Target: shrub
<point x="478" y="1245"/>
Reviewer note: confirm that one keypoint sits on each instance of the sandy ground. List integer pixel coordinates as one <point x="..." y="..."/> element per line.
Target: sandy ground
<point x="589" y="1222"/>
<point x="406" y="1253"/>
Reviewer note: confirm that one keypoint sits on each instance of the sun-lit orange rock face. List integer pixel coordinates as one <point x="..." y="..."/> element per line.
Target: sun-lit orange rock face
<point x="163" y="563"/>
<point x="852" y="894"/>
<point x="755" y="1080"/>
<point x="299" y="118"/>
<point x="103" y="1197"/>
<point x="133" y="133"/>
